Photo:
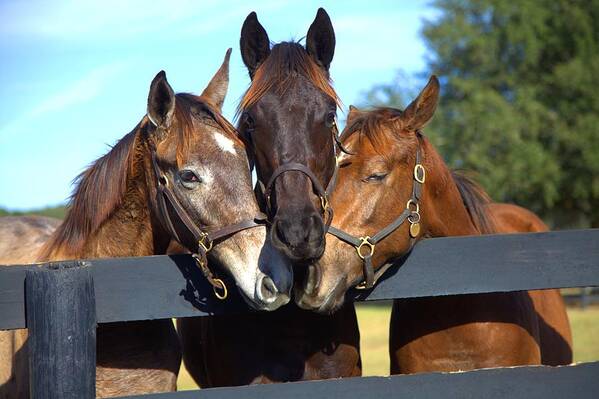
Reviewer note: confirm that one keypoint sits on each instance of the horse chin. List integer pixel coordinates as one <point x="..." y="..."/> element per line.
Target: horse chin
<point x="326" y="302"/>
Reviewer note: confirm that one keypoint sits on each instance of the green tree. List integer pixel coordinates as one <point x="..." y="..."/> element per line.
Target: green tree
<point x="520" y="100"/>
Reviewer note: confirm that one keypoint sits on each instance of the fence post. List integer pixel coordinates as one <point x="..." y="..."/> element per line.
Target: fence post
<point x="61" y="319"/>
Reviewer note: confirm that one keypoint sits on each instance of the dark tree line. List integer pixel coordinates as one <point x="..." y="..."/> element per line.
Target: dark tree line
<point x="520" y="100"/>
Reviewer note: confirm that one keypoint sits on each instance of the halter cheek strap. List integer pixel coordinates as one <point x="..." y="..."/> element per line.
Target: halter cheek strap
<point x="365" y="245"/>
<point x="203" y="238"/>
<point x="323" y="194"/>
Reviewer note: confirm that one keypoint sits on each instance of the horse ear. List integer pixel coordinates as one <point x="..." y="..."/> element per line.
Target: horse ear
<point x="320" y="41"/>
<point x="421" y="110"/>
<point x="352" y="114"/>
<point x="254" y="43"/>
<point x="216" y="90"/>
<point x="161" y="101"/>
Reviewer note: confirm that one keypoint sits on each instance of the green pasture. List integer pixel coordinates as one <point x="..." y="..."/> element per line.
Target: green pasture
<point x="374" y="323"/>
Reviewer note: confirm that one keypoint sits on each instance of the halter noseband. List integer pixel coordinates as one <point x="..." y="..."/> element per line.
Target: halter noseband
<point x="365" y="245"/>
<point x="323" y="194"/>
<point x="204" y="237"/>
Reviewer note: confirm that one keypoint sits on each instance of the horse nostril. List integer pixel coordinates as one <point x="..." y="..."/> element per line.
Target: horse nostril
<point x="268" y="290"/>
<point x="279" y="229"/>
<point x="269" y="286"/>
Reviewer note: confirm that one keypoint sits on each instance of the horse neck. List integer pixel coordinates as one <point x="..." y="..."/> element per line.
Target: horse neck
<point x="442" y="206"/>
<point x="131" y="229"/>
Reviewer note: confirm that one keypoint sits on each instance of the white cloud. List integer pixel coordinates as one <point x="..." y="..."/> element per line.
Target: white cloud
<point x="80" y="91"/>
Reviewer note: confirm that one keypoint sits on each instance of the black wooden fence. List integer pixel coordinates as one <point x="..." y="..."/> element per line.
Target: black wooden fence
<point x="61" y="303"/>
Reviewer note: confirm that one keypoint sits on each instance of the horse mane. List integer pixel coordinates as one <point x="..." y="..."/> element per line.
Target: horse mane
<point x="475" y="200"/>
<point x="371" y="124"/>
<point x="102" y="187"/>
<point x="286" y="61"/>
<point x="98" y="192"/>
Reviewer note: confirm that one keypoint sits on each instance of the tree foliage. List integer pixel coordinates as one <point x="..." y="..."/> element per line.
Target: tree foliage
<point x="520" y="100"/>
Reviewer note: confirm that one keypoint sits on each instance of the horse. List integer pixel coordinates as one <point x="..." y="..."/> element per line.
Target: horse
<point x="21" y="236"/>
<point x="288" y="117"/>
<point x="394" y="190"/>
<point x="182" y="174"/>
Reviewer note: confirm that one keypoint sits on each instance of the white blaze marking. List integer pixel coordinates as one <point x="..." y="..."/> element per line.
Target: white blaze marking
<point x="224" y="143"/>
<point x="207" y="177"/>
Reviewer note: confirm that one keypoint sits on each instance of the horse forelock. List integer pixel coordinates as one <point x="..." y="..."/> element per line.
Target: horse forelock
<point x="286" y="62"/>
<point x="383" y="127"/>
<point x="184" y="108"/>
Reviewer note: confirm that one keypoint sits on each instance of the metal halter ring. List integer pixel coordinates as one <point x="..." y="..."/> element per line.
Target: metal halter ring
<point x="414" y="217"/>
<point x="419" y="173"/>
<point x="202" y="242"/>
<point x="365" y="242"/>
<point x="223" y="287"/>
<point x="412" y="202"/>
<point x="163" y="180"/>
<point x="324" y="202"/>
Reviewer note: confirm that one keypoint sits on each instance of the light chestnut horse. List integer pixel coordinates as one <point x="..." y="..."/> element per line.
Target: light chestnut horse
<point x="394" y="176"/>
<point x="185" y="144"/>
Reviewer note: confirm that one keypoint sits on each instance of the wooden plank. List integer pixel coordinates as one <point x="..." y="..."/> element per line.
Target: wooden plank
<point x="540" y="382"/>
<point x="494" y="263"/>
<point x="171" y="286"/>
<point x="62" y="332"/>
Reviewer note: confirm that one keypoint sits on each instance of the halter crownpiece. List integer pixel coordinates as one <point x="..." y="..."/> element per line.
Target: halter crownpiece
<point x="366" y="245"/>
<point x="204" y="238"/>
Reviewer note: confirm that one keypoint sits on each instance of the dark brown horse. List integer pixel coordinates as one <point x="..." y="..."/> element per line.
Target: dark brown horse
<point x="186" y="146"/>
<point x="288" y="116"/>
<point x="394" y="177"/>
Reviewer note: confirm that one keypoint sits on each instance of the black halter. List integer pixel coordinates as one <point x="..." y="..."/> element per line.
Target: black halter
<point x="203" y="237"/>
<point x="365" y="245"/>
<point x="322" y="193"/>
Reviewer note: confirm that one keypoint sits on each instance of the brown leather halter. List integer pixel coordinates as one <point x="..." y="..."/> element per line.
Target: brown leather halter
<point x="322" y="193"/>
<point x="203" y="237"/>
<point x="365" y="245"/>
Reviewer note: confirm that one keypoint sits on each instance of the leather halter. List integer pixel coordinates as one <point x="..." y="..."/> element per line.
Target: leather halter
<point x="365" y="245"/>
<point x="203" y="237"/>
<point x="322" y="193"/>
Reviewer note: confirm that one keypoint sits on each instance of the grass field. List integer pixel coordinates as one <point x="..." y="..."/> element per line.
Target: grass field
<point x="374" y="325"/>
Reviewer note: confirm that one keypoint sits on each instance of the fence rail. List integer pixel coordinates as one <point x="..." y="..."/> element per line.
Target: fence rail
<point x="160" y="287"/>
<point x="157" y="287"/>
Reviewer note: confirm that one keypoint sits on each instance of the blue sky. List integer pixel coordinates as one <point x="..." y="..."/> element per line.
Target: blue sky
<point x="75" y="74"/>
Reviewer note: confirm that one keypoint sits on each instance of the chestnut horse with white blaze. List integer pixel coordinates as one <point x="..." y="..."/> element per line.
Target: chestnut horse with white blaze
<point x="394" y="189"/>
<point x="182" y="174"/>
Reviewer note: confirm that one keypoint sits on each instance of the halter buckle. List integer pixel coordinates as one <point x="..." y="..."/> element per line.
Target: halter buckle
<point x="419" y="173"/>
<point x="204" y="242"/>
<point x="365" y="241"/>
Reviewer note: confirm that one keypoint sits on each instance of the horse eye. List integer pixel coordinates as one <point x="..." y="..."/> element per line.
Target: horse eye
<point x="187" y="176"/>
<point x="248" y="122"/>
<point x="331" y="118"/>
<point x="376" y="177"/>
